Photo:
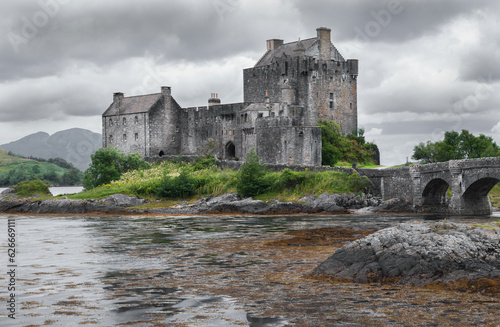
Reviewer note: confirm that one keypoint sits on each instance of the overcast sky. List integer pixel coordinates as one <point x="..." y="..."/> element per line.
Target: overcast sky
<point x="425" y="66"/>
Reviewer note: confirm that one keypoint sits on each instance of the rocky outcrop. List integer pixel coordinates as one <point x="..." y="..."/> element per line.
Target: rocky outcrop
<point x="227" y="203"/>
<point x="58" y="206"/>
<point x="418" y="254"/>
<point x="124" y="201"/>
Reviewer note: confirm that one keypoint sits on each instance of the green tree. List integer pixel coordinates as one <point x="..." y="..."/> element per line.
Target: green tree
<point x="331" y="138"/>
<point x="456" y="146"/>
<point x="108" y="164"/>
<point x="251" y="177"/>
<point x="350" y="148"/>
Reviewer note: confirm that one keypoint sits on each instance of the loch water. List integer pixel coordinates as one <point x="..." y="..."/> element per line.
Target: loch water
<point x="203" y="271"/>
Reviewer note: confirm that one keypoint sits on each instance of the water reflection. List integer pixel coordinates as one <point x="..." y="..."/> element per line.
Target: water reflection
<point x="107" y="271"/>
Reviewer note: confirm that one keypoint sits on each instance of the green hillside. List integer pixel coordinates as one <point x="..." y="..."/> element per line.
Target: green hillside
<point x="15" y="169"/>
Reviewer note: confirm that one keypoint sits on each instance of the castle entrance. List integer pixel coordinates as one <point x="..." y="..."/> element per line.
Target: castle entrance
<point x="230" y="151"/>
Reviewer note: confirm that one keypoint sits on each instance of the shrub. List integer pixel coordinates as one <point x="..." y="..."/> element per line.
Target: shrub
<point x="204" y="163"/>
<point x="31" y="188"/>
<point x="108" y="164"/>
<point x="182" y="186"/>
<point x="251" y="178"/>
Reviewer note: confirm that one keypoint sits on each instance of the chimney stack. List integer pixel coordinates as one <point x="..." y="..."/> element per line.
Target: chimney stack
<point x="166" y="91"/>
<point x="325" y="43"/>
<point x="118" y="98"/>
<point x="213" y="100"/>
<point x="274" y="44"/>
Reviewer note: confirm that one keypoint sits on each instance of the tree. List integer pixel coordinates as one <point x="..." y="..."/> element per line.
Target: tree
<point x="108" y="164"/>
<point x="251" y="179"/>
<point x="351" y="148"/>
<point x="456" y="146"/>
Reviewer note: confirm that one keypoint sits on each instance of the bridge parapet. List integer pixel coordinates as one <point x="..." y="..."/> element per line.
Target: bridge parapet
<point x="426" y="186"/>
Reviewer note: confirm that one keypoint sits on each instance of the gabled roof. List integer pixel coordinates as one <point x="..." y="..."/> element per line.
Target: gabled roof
<point x="134" y="105"/>
<point x="293" y="48"/>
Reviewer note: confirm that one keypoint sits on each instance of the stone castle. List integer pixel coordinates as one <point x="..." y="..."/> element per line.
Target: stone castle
<point x="291" y="88"/>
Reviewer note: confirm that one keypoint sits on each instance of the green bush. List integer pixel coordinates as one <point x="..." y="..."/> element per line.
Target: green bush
<point x="108" y="164"/>
<point x="182" y="186"/>
<point x="251" y="178"/>
<point x="31" y="188"/>
<point x="204" y="163"/>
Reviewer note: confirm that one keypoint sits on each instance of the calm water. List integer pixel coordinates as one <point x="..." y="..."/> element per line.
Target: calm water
<point x="58" y="190"/>
<point x="138" y="271"/>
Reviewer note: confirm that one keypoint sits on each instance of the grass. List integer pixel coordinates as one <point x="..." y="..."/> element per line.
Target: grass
<point x="349" y="165"/>
<point x="213" y="181"/>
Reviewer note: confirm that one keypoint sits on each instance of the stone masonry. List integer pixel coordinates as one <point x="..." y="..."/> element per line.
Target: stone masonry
<point x="291" y="88"/>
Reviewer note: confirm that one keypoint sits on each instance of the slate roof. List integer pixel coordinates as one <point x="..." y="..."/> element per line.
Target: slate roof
<point x="134" y="105"/>
<point x="291" y="49"/>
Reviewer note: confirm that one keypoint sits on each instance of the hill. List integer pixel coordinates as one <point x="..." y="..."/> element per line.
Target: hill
<point x="14" y="170"/>
<point x="73" y="145"/>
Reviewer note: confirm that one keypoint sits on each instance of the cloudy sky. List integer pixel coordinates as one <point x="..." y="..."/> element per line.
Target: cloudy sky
<point x="426" y="66"/>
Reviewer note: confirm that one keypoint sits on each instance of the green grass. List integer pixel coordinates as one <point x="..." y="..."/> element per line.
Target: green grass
<point x="213" y="181"/>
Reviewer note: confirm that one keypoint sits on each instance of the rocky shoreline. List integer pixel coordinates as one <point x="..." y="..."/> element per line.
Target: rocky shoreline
<point x="224" y="204"/>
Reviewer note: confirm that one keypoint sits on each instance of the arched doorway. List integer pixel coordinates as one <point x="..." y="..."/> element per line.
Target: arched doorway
<point x="230" y="150"/>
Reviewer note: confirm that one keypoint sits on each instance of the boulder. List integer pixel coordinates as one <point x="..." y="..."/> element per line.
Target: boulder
<point x="418" y="254"/>
<point x="122" y="200"/>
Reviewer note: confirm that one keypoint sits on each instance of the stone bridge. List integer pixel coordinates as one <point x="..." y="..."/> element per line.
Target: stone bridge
<point x="425" y="186"/>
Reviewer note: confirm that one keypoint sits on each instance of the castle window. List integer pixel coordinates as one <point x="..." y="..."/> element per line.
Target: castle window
<point x="301" y="134"/>
<point x="260" y="115"/>
<point x="111" y="139"/>
<point x="124" y="137"/>
<point x="331" y="104"/>
<point x="136" y="136"/>
<point x="111" y="122"/>
<point x="246" y="118"/>
<point x="136" y="120"/>
<point x="350" y="105"/>
<point x="124" y="121"/>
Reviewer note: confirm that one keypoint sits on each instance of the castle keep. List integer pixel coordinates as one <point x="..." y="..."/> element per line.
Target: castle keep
<point x="291" y="88"/>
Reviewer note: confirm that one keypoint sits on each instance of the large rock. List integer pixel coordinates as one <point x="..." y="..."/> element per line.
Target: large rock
<point x="418" y="254"/>
<point x="123" y="200"/>
<point x="338" y="202"/>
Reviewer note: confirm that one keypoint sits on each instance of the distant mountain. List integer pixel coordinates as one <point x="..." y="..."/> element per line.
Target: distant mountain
<point x="73" y="145"/>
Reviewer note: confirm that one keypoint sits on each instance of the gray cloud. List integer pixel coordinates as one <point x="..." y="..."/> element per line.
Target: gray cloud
<point x="417" y="71"/>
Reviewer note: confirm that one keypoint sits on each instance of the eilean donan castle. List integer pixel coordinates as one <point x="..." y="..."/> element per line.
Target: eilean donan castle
<point x="291" y="88"/>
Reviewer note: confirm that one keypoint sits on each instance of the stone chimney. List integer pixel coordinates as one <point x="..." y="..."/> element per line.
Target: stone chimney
<point x="213" y="100"/>
<point x="166" y="91"/>
<point x="325" y="43"/>
<point x="118" y="99"/>
<point x="274" y="44"/>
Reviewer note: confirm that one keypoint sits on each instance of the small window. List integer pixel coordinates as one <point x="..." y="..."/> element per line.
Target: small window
<point x="124" y="137"/>
<point x="124" y="121"/>
<point x="301" y="134"/>
<point x="331" y="104"/>
<point x="136" y="120"/>
<point x="137" y="136"/>
<point x="111" y="139"/>
<point x="260" y="115"/>
<point x="111" y="122"/>
<point x="331" y="96"/>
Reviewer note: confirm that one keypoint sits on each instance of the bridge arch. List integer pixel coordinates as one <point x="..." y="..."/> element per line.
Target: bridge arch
<point x="476" y="195"/>
<point x="435" y="192"/>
